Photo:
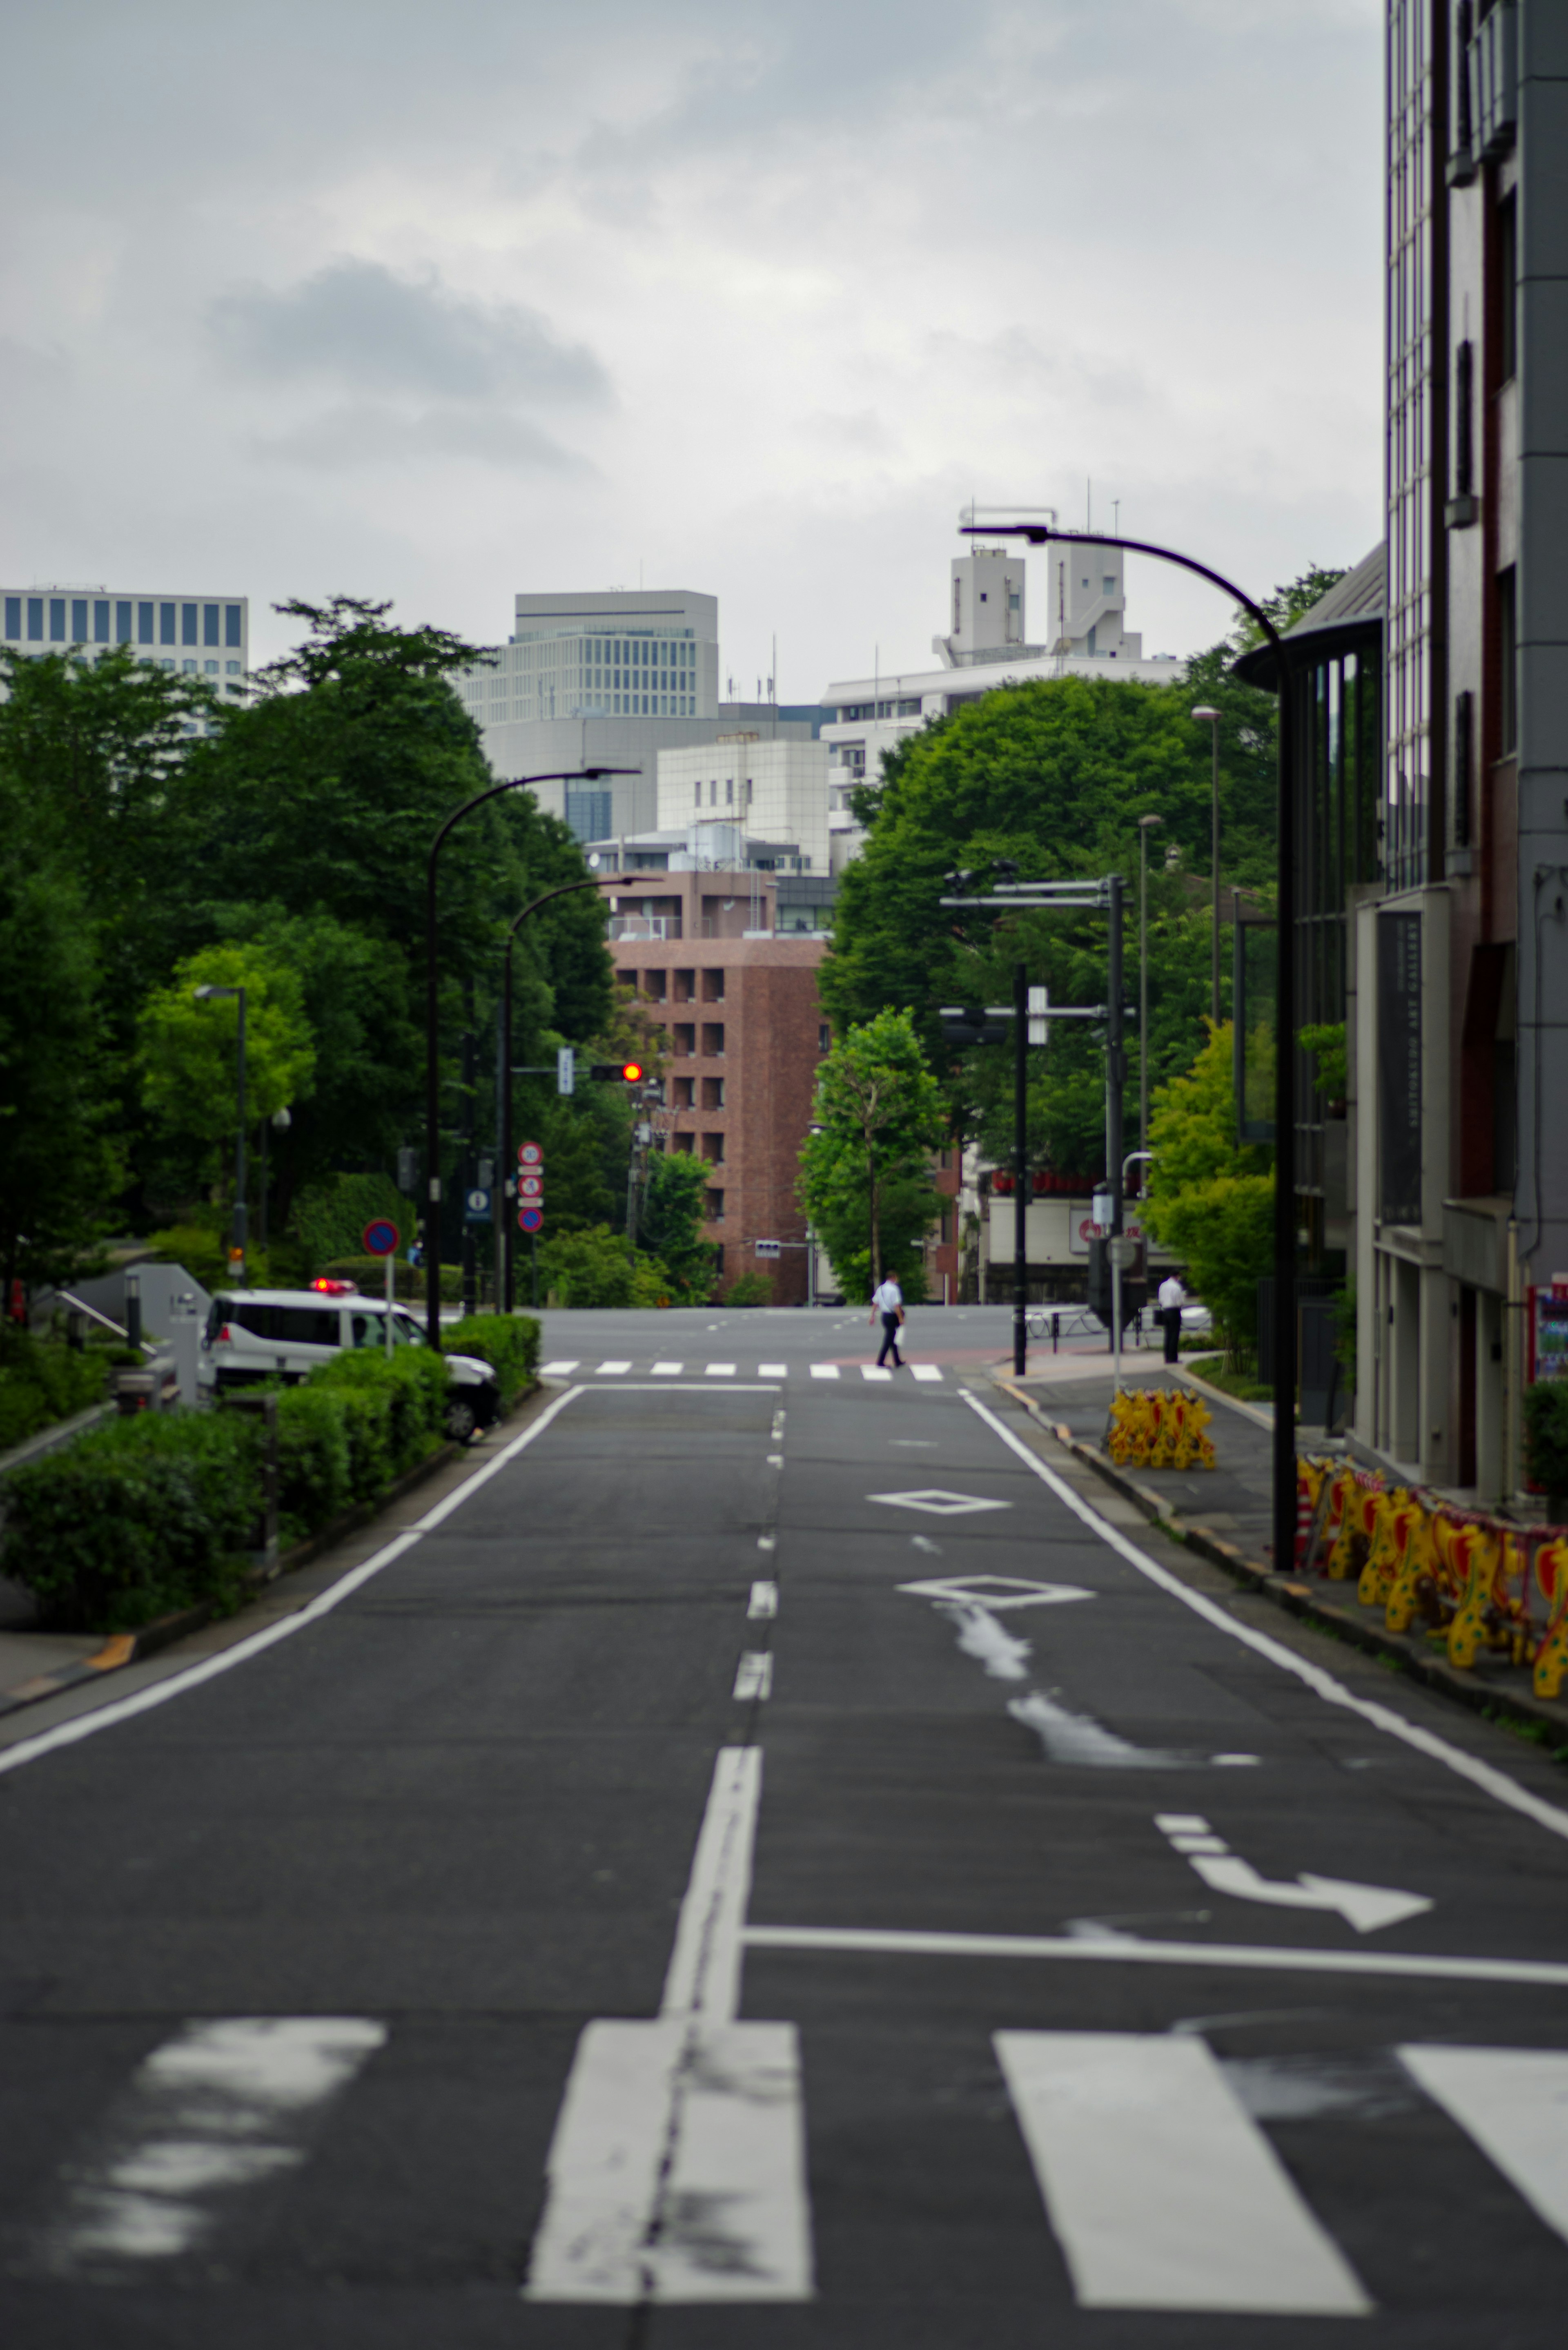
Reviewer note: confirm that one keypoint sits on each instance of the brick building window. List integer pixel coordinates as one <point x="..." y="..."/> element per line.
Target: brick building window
<point x="653" y="985"/>
<point x="685" y="1039"/>
<point x="713" y="1150"/>
<point x="712" y="1092"/>
<point x="683" y="1145"/>
<point x="712" y="987"/>
<point x="714" y="1040"/>
<point x="683" y="1088"/>
<point x="626" y="979"/>
<point x="685" y="986"/>
<point x="824" y="1038"/>
<point x="714" y="1200"/>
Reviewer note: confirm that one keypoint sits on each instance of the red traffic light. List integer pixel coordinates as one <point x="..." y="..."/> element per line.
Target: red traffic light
<point x="623" y="1073"/>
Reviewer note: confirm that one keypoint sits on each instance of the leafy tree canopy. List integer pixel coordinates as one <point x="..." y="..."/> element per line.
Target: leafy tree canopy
<point x="880" y="1113"/>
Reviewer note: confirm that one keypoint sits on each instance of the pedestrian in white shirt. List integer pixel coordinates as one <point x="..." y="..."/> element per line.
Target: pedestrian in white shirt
<point x="888" y="1300"/>
<point x="1172" y="1298"/>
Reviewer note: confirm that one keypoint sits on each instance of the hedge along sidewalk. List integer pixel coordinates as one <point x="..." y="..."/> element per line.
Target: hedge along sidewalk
<point x="127" y="1648"/>
<point x="1475" y="1689"/>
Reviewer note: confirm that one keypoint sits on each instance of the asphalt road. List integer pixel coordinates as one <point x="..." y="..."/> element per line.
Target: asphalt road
<point x="762" y="1862"/>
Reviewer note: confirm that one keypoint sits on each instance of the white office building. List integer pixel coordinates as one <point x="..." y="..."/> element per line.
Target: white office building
<point x="770" y="790"/>
<point x="201" y="636"/>
<point x="986" y="646"/>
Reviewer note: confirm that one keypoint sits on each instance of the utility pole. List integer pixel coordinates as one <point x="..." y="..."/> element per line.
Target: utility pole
<point x="1144" y="823"/>
<point x="1020" y="1169"/>
<point x="468" y="1076"/>
<point x="1116" y="1078"/>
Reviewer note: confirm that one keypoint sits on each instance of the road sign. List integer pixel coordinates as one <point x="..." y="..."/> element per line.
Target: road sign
<point x="529" y="1220"/>
<point x="379" y="1237"/>
<point x="476" y="1205"/>
<point x="531" y="1187"/>
<point x="1039" y="1026"/>
<point x="766" y="1248"/>
<point x="566" y="1070"/>
<point x="530" y="1155"/>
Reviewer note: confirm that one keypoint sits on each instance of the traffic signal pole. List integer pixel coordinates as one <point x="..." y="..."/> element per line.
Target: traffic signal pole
<point x="1116" y="1078"/>
<point x="1020" y="1169"/>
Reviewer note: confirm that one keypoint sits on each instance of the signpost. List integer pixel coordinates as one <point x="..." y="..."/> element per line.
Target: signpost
<point x="530" y="1202"/>
<point x="380" y="1238"/>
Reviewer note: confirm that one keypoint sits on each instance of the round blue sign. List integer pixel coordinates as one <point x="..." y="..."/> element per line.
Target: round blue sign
<point x="379" y="1237"/>
<point x="529" y="1220"/>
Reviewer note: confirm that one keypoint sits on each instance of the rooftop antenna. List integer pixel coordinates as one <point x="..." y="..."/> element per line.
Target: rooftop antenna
<point x="1117" y="532"/>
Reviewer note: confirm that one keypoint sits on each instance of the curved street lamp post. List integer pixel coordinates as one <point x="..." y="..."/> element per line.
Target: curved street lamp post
<point x="432" y="1022"/>
<point x="1283" y="1350"/>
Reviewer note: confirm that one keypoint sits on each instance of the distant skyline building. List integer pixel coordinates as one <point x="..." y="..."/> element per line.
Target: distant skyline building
<point x="203" y="636"/>
<point x="986" y="646"/>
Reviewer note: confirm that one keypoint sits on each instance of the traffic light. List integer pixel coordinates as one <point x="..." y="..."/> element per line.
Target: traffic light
<point x="967" y="1025"/>
<point x="620" y="1073"/>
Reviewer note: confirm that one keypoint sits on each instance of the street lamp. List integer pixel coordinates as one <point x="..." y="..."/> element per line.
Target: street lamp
<point x="432" y="1022"/>
<point x="1283" y="1362"/>
<point x="1213" y="718"/>
<point x="237" y="1241"/>
<point x="1144" y="825"/>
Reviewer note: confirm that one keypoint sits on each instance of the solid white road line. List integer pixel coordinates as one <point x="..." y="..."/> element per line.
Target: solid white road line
<point x="222" y="2105"/>
<point x="611" y="1370"/>
<point x="143" y="1701"/>
<point x="1514" y="2103"/>
<point x="754" y="1675"/>
<point x="764" y="1601"/>
<point x="1112" y="1949"/>
<point x="678" y="2167"/>
<point x="1484" y="1775"/>
<point x="1163" y="2192"/>
<point x="825" y="1371"/>
<point x="772" y="1370"/>
<point x="556" y="1371"/>
<point x="926" y="1370"/>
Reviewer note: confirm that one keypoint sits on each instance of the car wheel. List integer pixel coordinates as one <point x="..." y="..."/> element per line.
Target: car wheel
<point x="461" y="1420"/>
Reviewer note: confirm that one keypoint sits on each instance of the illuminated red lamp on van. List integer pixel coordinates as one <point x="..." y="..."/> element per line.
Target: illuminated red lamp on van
<point x="336" y="1288"/>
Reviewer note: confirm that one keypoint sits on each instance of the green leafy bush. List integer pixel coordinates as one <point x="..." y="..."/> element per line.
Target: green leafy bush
<point x="594" y="1268"/>
<point x="509" y="1342"/>
<point x="135" y="1518"/>
<point x="330" y="1218"/>
<point x="750" y="1289"/>
<point x="315" y="1470"/>
<point x="369" y="1273"/>
<point x="1546" y="1440"/>
<point x="41" y="1383"/>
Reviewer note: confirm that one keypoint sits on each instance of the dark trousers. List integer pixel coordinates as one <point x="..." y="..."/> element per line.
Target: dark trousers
<point x="1171" y="1317"/>
<point x="890" y="1339"/>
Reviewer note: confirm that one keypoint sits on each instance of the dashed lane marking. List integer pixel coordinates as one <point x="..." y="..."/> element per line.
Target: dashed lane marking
<point x="754" y="1675"/>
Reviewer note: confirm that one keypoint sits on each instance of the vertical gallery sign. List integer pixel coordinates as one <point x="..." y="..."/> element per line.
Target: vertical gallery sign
<point x="1399" y="1066"/>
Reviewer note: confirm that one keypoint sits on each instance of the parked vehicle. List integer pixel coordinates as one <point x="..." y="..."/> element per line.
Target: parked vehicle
<point x="268" y="1334"/>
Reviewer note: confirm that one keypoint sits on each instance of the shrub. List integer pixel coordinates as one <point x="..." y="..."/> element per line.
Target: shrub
<point x="134" y="1519"/>
<point x="509" y="1342"/>
<point x="392" y="1409"/>
<point x="1546" y="1439"/>
<point x="315" y="1478"/>
<point x="330" y="1218"/>
<point x="40" y="1384"/>
<point x="369" y="1273"/>
<point x="595" y="1268"/>
<point x="750" y="1289"/>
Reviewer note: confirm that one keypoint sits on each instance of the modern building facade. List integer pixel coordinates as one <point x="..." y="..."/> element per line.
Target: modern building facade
<point x="986" y="645"/>
<point x="774" y="787"/>
<point x="203" y="636"/>
<point x="738" y="1000"/>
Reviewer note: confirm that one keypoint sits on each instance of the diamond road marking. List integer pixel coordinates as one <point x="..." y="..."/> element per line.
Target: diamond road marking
<point x="996" y="1592"/>
<point x="939" y="1504"/>
<point x="825" y="1371"/>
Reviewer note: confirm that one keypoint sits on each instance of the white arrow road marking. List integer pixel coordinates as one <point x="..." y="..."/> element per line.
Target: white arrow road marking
<point x="677" y="2172"/>
<point x="1079" y="1738"/>
<point x="939" y="1503"/>
<point x="1367" y="1908"/>
<point x="1514" y="2104"/>
<point x="994" y="1591"/>
<point x="1162" y="2190"/>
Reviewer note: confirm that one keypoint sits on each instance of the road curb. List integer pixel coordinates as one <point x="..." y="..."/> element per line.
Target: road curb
<point x="129" y="1648"/>
<point x="1299" y="1599"/>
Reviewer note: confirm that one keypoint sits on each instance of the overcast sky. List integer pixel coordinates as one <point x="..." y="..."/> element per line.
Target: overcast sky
<point x="439" y="304"/>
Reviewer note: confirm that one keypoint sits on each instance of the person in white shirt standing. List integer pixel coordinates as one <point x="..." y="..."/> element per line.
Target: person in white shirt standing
<point x="1172" y="1298"/>
<point x="888" y="1300"/>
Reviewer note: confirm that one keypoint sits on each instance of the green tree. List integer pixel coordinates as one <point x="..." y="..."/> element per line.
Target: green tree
<point x="1211" y="1199"/>
<point x="669" y="1225"/>
<point x="881" y="1111"/>
<point x="190" y="1049"/>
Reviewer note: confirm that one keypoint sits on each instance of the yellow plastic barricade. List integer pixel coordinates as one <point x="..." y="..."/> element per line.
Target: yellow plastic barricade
<point x="1552" y="1650"/>
<point x="1159" y="1428"/>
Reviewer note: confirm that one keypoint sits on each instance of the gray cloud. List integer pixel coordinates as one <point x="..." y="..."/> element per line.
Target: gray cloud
<point x="358" y="324"/>
<point x="365" y="433"/>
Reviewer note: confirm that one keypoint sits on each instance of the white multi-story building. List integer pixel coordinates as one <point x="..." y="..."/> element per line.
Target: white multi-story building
<point x="773" y="790"/>
<point x="198" y="635"/>
<point x="987" y="645"/>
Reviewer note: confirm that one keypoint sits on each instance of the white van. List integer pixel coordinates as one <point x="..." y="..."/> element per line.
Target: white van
<point x="268" y="1334"/>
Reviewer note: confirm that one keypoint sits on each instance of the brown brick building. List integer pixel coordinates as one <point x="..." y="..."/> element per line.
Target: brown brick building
<point x="738" y="1003"/>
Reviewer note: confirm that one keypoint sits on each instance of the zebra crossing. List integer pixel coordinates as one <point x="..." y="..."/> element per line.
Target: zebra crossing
<point x="623" y="1368"/>
<point x="1160" y="2183"/>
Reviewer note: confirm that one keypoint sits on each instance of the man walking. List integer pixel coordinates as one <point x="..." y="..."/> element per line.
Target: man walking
<point x="888" y="1300"/>
<point x="1172" y="1298"/>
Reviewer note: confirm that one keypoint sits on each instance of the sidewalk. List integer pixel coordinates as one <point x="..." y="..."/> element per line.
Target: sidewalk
<point x="1225" y="1514"/>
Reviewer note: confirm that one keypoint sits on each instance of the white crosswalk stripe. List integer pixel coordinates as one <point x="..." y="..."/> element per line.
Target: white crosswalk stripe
<point x="825" y="1371"/>
<point x="772" y="1370"/>
<point x="1514" y="2103"/>
<point x="608" y="1370"/>
<point x="556" y="1371"/>
<point x="668" y="1370"/>
<point x="926" y="1370"/>
<point x="721" y="1370"/>
<point x="1162" y="2192"/>
<point x="873" y="1371"/>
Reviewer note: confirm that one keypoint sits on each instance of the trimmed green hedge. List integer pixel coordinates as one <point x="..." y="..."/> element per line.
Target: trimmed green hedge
<point x="41" y="1383"/>
<point x="147" y="1515"/>
<point x="509" y="1342"/>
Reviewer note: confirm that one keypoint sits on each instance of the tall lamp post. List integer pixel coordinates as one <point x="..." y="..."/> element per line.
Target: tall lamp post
<point x="1213" y="718"/>
<point x="1283" y="1364"/>
<point x="1145" y="824"/>
<point x="565" y="890"/>
<point x="237" y="1238"/>
<point x="432" y="1022"/>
